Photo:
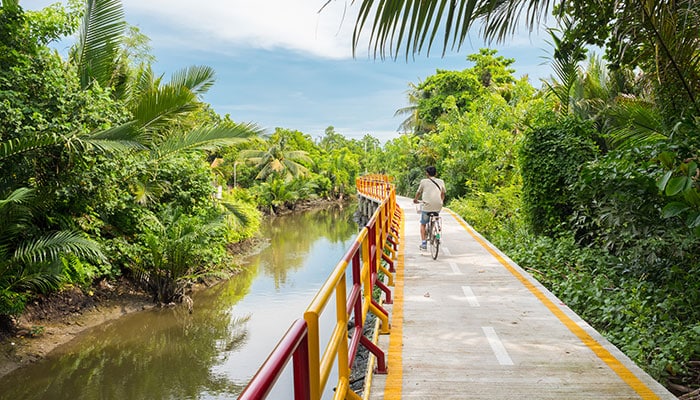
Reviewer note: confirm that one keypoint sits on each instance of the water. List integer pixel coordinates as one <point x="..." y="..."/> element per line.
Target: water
<point x="213" y="352"/>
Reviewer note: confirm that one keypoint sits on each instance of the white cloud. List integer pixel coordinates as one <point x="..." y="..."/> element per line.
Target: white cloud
<point x="291" y="24"/>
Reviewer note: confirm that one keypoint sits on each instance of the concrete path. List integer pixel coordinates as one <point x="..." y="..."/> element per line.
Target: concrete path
<point x="474" y="325"/>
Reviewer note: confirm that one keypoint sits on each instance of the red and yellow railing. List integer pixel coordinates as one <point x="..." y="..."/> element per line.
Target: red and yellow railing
<point x="375" y="246"/>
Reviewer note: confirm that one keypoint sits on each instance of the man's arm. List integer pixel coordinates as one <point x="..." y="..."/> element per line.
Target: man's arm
<point x="418" y="193"/>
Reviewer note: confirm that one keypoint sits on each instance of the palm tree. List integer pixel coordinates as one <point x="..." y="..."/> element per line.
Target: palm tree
<point x="29" y="261"/>
<point x="154" y="106"/>
<point x="172" y="260"/>
<point x="278" y="161"/>
<point x="565" y="62"/>
<point x="412" y="123"/>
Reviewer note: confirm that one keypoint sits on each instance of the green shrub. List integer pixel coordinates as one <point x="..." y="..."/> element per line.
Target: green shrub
<point x="550" y="159"/>
<point x="616" y="201"/>
<point x="243" y="218"/>
<point x="491" y="213"/>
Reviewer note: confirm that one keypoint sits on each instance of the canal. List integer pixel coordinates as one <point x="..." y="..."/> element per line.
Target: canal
<point x="213" y="352"/>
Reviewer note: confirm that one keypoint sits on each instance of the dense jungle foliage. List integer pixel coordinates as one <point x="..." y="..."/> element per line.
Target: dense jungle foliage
<point x="591" y="183"/>
<point x="108" y="169"/>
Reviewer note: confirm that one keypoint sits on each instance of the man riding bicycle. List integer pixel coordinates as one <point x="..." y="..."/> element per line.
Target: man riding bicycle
<point x="431" y="191"/>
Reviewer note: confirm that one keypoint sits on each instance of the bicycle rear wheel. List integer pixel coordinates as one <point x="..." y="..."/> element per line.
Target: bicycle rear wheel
<point x="434" y="241"/>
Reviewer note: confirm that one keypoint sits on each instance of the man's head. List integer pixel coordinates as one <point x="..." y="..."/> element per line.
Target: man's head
<point x="431" y="171"/>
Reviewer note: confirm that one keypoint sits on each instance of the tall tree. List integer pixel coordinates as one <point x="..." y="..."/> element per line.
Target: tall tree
<point x="278" y="161"/>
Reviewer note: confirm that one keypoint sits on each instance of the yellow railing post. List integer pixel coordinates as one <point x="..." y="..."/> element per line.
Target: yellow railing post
<point x="311" y="319"/>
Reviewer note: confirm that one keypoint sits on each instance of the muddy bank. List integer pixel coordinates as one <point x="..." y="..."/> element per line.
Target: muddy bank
<point x="50" y="321"/>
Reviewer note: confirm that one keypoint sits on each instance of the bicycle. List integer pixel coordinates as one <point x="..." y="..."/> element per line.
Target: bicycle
<point x="433" y="233"/>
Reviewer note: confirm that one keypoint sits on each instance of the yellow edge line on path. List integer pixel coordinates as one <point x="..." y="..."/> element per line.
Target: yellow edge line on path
<point x="394" y="379"/>
<point x="623" y="372"/>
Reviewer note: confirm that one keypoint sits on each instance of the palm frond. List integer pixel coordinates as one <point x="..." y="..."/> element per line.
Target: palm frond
<point x="565" y="63"/>
<point x="198" y="79"/>
<point x="637" y="122"/>
<point x="158" y="107"/>
<point x="267" y="170"/>
<point x="19" y="196"/>
<point x="298" y="156"/>
<point x="208" y="138"/>
<point x="22" y="145"/>
<point x="15" y="214"/>
<point x="10" y="5"/>
<point x="295" y="169"/>
<point x="415" y="24"/>
<point x="146" y="192"/>
<point x="120" y="138"/>
<point x="251" y="156"/>
<point x="238" y="212"/>
<point x="41" y="279"/>
<point x="98" y="43"/>
<point x="144" y="81"/>
<point x="50" y="247"/>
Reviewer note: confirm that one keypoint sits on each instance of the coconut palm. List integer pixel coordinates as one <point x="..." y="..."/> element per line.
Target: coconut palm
<point x="412" y="123"/>
<point x="278" y="161"/>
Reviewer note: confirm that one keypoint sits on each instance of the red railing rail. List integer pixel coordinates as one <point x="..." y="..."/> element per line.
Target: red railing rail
<point x="376" y="244"/>
<point x="294" y="345"/>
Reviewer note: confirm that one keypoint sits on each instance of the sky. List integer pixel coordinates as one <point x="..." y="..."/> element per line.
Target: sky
<point x="282" y="63"/>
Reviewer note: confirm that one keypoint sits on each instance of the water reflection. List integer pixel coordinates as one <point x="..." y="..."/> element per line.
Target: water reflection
<point x="212" y="353"/>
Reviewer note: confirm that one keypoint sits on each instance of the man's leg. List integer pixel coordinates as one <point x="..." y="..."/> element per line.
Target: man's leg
<point x="424" y="218"/>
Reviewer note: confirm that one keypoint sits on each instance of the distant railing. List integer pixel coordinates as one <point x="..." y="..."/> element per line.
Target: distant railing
<point x="376" y="242"/>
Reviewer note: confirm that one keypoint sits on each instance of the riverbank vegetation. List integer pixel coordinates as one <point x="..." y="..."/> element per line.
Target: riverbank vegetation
<point x="108" y="169"/>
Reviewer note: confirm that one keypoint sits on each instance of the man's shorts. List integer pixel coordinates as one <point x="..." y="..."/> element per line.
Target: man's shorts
<point x="425" y="216"/>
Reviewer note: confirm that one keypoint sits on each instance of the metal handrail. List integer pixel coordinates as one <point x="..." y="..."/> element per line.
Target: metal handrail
<point x="312" y="365"/>
<point x="294" y="344"/>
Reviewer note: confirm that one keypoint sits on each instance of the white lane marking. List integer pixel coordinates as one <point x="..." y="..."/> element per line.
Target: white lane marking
<point x="471" y="298"/>
<point x="497" y="346"/>
<point x="445" y="250"/>
<point x="455" y="268"/>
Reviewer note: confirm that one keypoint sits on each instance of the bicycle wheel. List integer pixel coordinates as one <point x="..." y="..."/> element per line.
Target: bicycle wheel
<point x="434" y="240"/>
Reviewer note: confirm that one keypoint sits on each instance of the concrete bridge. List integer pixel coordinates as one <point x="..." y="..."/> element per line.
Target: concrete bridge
<point x="474" y="325"/>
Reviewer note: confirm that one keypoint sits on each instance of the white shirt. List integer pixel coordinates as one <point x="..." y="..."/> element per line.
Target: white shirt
<point x="431" y="194"/>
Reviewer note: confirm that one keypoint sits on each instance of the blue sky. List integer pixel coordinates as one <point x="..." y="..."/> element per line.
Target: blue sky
<point x="281" y="63"/>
